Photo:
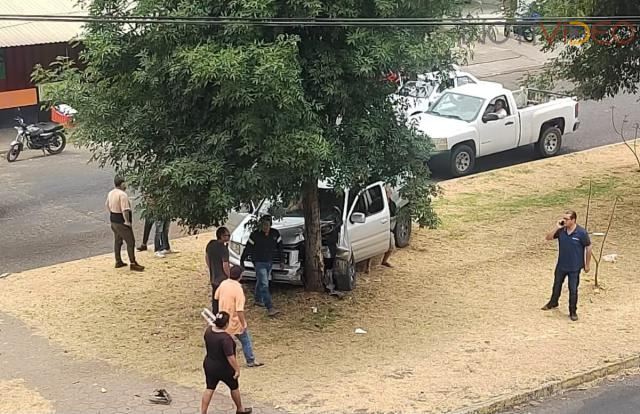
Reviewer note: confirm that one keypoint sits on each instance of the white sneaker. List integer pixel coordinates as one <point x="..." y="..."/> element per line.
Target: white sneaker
<point x="160" y="255"/>
<point x="170" y="251"/>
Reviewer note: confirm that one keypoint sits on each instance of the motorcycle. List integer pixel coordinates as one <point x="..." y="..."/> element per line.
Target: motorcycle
<point x="45" y="136"/>
<point x="525" y="31"/>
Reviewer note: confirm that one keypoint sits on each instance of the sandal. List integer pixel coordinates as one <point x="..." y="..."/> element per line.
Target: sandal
<point x="160" y="396"/>
<point x="245" y="411"/>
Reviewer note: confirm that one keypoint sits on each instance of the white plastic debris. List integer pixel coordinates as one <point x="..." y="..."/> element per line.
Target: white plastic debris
<point x="103" y="390"/>
<point x="597" y="234"/>
<point x="360" y="331"/>
<point x="314" y="309"/>
<point x="2" y="276"/>
<point x="611" y="258"/>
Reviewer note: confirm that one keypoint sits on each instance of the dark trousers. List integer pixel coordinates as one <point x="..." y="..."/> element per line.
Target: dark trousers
<point x="214" y="303"/>
<point x="574" y="282"/>
<point x="124" y="233"/>
<point x="161" y="240"/>
<point x="148" y="223"/>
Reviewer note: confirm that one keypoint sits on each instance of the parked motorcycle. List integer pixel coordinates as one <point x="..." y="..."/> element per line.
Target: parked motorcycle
<point x="45" y="136"/>
<point x="524" y="31"/>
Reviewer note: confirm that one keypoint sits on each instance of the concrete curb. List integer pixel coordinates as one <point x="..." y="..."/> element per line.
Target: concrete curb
<point x="499" y="404"/>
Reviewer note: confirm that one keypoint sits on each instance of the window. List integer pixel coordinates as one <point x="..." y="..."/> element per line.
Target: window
<point x="376" y="201"/>
<point x="3" y="69"/>
<point x="463" y="80"/>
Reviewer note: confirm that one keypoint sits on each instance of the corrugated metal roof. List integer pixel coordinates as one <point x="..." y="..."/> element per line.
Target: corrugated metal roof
<point x="21" y="33"/>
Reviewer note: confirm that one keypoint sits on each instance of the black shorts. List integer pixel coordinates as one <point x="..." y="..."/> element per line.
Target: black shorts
<point x="214" y="373"/>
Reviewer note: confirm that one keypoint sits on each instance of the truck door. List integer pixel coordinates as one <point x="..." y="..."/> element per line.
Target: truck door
<point x="370" y="238"/>
<point x="499" y="135"/>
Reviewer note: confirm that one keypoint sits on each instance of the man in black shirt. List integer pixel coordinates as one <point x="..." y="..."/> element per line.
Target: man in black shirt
<point x="217" y="259"/>
<point x="262" y="245"/>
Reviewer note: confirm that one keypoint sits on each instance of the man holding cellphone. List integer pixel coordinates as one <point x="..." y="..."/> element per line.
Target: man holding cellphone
<point x="574" y="254"/>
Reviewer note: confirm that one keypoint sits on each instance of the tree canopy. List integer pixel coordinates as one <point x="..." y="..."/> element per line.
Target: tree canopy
<point x="609" y="61"/>
<point x="206" y="117"/>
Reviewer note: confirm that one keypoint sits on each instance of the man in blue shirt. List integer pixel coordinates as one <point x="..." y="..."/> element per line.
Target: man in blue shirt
<point x="574" y="254"/>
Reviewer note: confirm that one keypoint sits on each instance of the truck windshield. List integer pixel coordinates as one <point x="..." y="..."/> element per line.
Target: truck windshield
<point x="457" y="106"/>
<point x="417" y="89"/>
<point x="329" y="199"/>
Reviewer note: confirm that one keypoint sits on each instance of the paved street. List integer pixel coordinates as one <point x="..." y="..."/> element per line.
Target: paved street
<point x="614" y="396"/>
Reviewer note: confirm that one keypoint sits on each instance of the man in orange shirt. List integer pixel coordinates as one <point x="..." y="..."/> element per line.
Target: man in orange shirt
<point x="231" y="299"/>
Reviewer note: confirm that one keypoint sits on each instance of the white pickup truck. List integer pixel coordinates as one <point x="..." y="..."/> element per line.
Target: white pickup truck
<point x="464" y="124"/>
<point x="355" y="226"/>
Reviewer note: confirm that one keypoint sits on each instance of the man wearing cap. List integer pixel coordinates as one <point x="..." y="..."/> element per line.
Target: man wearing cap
<point x="262" y="245"/>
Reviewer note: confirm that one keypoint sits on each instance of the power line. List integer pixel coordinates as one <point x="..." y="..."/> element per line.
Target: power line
<point x="326" y="22"/>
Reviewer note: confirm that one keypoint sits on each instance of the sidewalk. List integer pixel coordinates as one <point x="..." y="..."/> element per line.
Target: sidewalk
<point x="6" y="136"/>
<point x="73" y="386"/>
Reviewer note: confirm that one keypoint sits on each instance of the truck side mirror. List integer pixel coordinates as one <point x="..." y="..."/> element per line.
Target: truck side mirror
<point x="358" y="218"/>
<point x="490" y="117"/>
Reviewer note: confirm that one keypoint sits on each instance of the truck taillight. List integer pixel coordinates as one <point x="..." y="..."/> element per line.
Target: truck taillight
<point x="577" y="109"/>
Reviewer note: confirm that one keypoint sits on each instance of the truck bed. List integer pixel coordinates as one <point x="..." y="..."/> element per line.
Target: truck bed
<point x="528" y="97"/>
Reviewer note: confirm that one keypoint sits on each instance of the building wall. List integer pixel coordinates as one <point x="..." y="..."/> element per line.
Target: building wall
<point x="16" y="88"/>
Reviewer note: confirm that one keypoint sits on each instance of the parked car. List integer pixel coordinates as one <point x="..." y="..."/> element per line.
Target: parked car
<point x="419" y="95"/>
<point x="463" y="127"/>
<point x="361" y="220"/>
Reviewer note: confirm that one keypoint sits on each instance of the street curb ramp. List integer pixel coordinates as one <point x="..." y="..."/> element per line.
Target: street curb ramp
<point x="496" y="405"/>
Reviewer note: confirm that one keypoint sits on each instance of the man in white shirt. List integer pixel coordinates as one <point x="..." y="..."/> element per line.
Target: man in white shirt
<point x="500" y="109"/>
<point x="120" y="216"/>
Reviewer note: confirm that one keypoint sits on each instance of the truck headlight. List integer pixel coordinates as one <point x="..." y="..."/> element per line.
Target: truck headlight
<point x="235" y="247"/>
<point x="440" y="144"/>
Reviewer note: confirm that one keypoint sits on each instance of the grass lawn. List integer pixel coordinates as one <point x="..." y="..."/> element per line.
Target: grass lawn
<point x="456" y="322"/>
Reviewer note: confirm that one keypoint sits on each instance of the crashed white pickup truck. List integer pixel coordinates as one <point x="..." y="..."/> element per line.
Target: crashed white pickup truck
<point x="355" y="226"/>
<point x="464" y="124"/>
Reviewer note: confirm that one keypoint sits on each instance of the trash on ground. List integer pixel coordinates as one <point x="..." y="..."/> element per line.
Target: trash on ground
<point x="314" y="309"/>
<point x="597" y="234"/>
<point x="2" y="276"/>
<point x="611" y="258"/>
<point x="160" y="396"/>
<point x="103" y="390"/>
<point x="360" y="331"/>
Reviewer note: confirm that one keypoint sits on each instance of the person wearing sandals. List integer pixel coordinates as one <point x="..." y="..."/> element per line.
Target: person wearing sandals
<point x="231" y="299"/>
<point x="220" y="363"/>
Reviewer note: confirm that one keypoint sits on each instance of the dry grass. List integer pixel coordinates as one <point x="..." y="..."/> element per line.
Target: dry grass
<point x="18" y="399"/>
<point x="457" y="321"/>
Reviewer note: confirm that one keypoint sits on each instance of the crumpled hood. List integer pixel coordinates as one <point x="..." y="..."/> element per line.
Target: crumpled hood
<point x="291" y="230"/>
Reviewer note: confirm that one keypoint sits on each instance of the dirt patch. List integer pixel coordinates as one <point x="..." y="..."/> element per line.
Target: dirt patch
<point x="18" y="399"/>
<point x="456" y="322"/>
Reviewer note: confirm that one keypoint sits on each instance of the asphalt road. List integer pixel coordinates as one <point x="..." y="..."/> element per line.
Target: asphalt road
<point x="614" y="396"/>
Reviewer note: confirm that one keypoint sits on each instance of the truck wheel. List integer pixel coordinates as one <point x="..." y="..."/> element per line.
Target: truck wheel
<point x="463" y="160"/>
<point x="550" y="142"/>
<point x="344" y="272"/>
<point x="402" y="232"/>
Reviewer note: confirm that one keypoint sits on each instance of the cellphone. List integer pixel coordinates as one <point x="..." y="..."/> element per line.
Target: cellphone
<point x="562" y="222"/>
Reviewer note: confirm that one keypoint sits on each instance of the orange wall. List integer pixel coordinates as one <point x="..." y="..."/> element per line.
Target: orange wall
<point x="21" y="97"/>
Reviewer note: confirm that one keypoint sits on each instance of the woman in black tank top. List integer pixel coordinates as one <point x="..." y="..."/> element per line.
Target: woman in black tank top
<point x="220" y="363"/>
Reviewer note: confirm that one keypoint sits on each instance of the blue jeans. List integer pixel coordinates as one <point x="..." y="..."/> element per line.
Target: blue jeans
<point x="247" y="347"/>
<point x="262" y="295"/>
<point x="161" y="240"/>
<point x="574" y="282"/>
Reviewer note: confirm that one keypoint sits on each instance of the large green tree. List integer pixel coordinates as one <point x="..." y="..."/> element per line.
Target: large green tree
<point x="606" y="64"/>
<point x="206" y="117"/>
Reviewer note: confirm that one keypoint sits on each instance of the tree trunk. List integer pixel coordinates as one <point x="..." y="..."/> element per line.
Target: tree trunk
<point x="313" y="262"/>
